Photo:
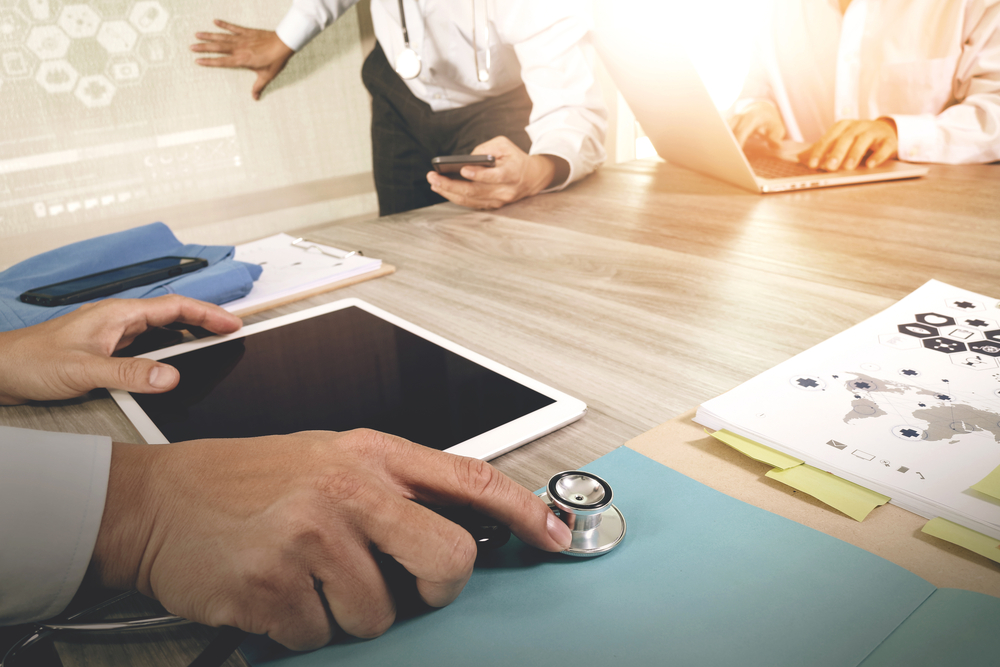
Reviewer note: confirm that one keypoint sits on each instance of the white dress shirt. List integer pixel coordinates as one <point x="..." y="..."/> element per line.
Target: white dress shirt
<point x="52" y="492"/>
<point x="538" y="43"/>
<point x="933" y="66"/>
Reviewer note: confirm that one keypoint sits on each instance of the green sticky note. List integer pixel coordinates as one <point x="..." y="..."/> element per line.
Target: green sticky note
<point x="990" y="485"/>
<point x="756" y="451"/>
<point x="984" y="545"/>
<point x="853" y="500"/>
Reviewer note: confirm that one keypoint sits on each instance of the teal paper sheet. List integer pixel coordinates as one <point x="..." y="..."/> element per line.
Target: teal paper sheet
<point x="700" y="579"/>
<point x="954" y="627"/>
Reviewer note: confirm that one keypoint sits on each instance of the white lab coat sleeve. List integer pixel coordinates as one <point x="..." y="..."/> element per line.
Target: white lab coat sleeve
<point x="308" y="18"/>
<point x="568" y="117"/>
<point x="969" y="130"/>
<point x="52" y="492"/>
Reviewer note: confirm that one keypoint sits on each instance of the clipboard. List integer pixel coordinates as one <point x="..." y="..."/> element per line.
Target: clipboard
<point x="296" y="268"/>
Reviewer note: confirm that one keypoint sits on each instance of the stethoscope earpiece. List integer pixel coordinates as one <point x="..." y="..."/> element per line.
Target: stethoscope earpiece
<point x="582" y="500"/>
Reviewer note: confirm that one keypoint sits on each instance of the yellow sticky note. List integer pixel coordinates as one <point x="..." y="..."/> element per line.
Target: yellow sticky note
<point x="984" y="545"/>
<point x="990" y="485"/>
<point x="756" y="451"/>
<point x="853" y="500"/>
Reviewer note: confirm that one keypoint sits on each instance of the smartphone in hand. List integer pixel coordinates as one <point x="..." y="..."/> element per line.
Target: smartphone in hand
<point x="112" y="281"/>
<point x="451" y="165"/>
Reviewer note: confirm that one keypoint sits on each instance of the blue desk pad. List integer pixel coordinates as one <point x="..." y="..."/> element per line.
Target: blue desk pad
<point x="700" y="579"/>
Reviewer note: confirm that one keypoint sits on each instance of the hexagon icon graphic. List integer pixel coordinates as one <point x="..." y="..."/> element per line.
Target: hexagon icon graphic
<point x="965" y="305"/>
<point x="993" y="335"/>
<point x="149" y="16"/>
<point x="40" y="10"/>
<point x="57" y="76"/>
<point x="48" y="42"/>
<point x="917" y="329"/>
<point x="964" y="334"/>
<point x="988" y="347"/>
<point x="17" y="64"/>
<point x="936" y="319"/>
<point x="124" y="70"/>
<point x="95" y="90"/>
<point x="978" y="323"/>
<point x="117" y="36"/>
<point x="13" y="27"/>
<point x="899" y="341"/>
<point x="155" y="50"/>
<point x="976" y="362"/>
<point x="79" y="21"/>
<point x="946" y="345"/>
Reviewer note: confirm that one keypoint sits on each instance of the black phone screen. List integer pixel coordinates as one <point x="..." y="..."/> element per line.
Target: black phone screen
<point x="115" y="275"/>
<point x="111" y="281"/>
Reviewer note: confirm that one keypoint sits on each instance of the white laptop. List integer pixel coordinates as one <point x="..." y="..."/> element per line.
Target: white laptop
<point x="673" y="106"/>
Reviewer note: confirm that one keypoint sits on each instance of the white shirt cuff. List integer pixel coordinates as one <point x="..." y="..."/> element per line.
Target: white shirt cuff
<point x="297" y="29"/>
<point x="582" y="153"/>
<point x="917" y="137"/>
<point x="52" y="492"/>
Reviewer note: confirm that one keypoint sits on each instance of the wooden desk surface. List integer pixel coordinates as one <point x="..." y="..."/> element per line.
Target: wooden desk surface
<point x="647" y="289"/>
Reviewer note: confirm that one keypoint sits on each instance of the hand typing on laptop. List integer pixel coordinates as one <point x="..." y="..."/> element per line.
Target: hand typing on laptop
<point x="759" y="118"/>
<point x="846" y="145"/>
<point x="852" y="143"/>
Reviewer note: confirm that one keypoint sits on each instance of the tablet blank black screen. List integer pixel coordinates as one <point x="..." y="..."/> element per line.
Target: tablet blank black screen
<point x="338" y="371"/>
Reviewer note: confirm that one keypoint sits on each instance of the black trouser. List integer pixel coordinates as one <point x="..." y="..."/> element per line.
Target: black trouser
<point x="406" y="134"/>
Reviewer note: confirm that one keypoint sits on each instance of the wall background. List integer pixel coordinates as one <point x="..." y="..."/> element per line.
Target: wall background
<point x="108" y="124"/>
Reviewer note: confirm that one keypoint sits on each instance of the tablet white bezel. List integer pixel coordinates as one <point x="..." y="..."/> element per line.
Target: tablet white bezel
<point x="485" y="446"/>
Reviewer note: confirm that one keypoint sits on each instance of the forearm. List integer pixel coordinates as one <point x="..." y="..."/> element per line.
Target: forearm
<point x="127" y="519"/>
<point x="568" y="116"/>
<point x="965" y="133"/>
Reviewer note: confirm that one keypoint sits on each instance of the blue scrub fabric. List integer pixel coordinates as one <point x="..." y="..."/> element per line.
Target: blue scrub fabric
<point x="224" y="279"/>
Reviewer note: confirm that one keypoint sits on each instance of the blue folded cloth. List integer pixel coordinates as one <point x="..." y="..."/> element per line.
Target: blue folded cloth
<point x="224" y="279"/>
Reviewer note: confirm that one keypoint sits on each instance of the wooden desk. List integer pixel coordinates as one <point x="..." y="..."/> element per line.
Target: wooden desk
<point x="647" y="289"/>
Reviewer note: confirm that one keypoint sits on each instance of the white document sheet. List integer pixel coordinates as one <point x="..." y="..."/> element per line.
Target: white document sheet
<point x="906" y="403"/>
<point x="290" y="269"/>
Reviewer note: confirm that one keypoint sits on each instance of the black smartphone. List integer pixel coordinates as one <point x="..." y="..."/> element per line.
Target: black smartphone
<point x="112" y="281"/>
<point x="450" y="165"/>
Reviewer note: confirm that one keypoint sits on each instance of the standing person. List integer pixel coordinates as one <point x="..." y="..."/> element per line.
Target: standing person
<point x="508" y="78"/>
<point x="867" y="80"/>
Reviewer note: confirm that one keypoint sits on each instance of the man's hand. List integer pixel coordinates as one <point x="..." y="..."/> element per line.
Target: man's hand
<point x="276" y="535"/>
<point x="516" y="175"/>
<point x="846" y="144"/>
<point x="70" y="355"/>
<point x="760" y="118"/>
<point x="257" y="50"/>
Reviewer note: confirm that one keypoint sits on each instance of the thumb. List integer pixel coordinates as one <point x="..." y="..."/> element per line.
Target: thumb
<point x="775" y="132"/>
<point x="263" y="78"/>
<point x="142" y="376"/>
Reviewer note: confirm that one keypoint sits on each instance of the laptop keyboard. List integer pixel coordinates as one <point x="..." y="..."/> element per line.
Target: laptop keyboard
<point x="767" y="166"/>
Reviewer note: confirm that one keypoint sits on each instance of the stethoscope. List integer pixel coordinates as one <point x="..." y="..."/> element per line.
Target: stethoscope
<point x="408" y="63"/>
<point x="580" y="499"/>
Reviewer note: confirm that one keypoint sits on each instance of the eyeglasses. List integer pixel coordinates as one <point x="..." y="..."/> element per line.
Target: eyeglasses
<point x="217" y="651"/>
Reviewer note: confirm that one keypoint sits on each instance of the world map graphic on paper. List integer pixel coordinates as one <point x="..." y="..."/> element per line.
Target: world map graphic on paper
<point x="944" y="416"/>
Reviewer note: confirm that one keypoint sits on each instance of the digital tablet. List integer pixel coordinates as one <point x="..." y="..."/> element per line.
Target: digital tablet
<point x="341" y="366"/>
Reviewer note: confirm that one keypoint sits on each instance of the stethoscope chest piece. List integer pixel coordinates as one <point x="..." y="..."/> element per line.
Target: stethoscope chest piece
<point x="407" y="64"/>
<point x="582" y="500"/>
